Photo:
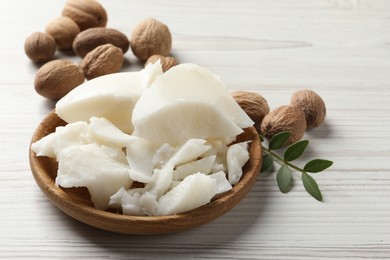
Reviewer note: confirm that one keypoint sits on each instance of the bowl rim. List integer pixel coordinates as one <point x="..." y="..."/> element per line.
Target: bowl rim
<point x="141" y="225"/>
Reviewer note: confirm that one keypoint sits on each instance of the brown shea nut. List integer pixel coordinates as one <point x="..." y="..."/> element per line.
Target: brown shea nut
<point x="284" y="118"/>
<point x="150" y="37"/>
<point x="40" y="47"/>
<point x="104" y="59"/>
<point x="167" y="62"/>
<point x="254" y="105"/>
<point x="311" y="104"/>
<point x="91" y="38"/>
<point x="86" y="13"/>
<point x="56" y="78"/>
<point x="64" y="30"/>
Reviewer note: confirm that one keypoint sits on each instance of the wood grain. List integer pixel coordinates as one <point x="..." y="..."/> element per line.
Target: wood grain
<point x="338" y="48"/>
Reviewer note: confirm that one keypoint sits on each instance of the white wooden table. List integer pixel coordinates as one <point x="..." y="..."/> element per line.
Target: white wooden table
<point x="338" y="48"/>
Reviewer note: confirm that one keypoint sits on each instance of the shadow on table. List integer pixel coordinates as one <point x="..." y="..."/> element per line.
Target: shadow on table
<point x="318" y="141"/>
<point x="321" y="132"/>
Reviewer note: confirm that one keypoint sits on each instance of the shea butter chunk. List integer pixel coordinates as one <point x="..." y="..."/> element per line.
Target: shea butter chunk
<point x="102" y="170"/>
<point x="194" y="191"/>
<point x="112" y="96"/>
<point x="237" y="156"/>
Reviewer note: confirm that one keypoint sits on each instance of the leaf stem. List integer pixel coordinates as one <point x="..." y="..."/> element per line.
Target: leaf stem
<point x="281" y="161"/>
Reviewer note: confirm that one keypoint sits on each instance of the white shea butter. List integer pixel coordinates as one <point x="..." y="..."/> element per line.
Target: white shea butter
<point x="190" y="82"/>
<point x="102" y="170"/>
<point x="194" y="191"/>
<point x="181" y="120"/>
<point x="237" y="156"/>
<point x="111" y="96"/>
<point x="186" y="102"/>
<point x="170" y="133"/>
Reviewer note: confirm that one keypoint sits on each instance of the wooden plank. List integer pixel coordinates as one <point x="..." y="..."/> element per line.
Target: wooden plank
<point x="339" y="48"/>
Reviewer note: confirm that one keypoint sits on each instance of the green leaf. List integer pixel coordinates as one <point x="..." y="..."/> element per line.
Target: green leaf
<point x="295" y="150"/>
<point x="317" y="165"/>
<point x="284" y="178"/>
<point x="278" y="140"/>
<point x="311" y="186"/>
<point x="268" y="160"/>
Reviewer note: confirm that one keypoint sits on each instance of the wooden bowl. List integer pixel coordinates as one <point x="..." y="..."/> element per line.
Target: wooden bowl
<point x="76" y="201"/>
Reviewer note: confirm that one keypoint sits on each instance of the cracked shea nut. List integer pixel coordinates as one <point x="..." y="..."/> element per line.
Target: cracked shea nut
<point x="40" y="47"/>
<point x="64" y="30"/>
<point x="104" y="59"/>
<point x="254" y="105"/>
<point x="86" y="13"/>
<point x="56" y="78"/>
<point x="150" y="37"/>
<point x="167" y="62"/>
<point x="91" y="38"/>
<point x="311" y="104"/>
<point x="284" y="118"/>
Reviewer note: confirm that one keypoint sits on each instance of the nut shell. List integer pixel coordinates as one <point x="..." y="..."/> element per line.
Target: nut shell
<point x="150" y="37"/>
<point x="40" y="47"/>
<point x="86" y="13"/>
<point x="64" y="30"/>
<point x="56" y="78"/>
<point x="104" y="59"/>
<point x="284" y="118"/>
<point x="91" y="38"/>
<point x="167" y="62"/>
<point x="311" y="104"/>
<point x="254" y="105"/>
